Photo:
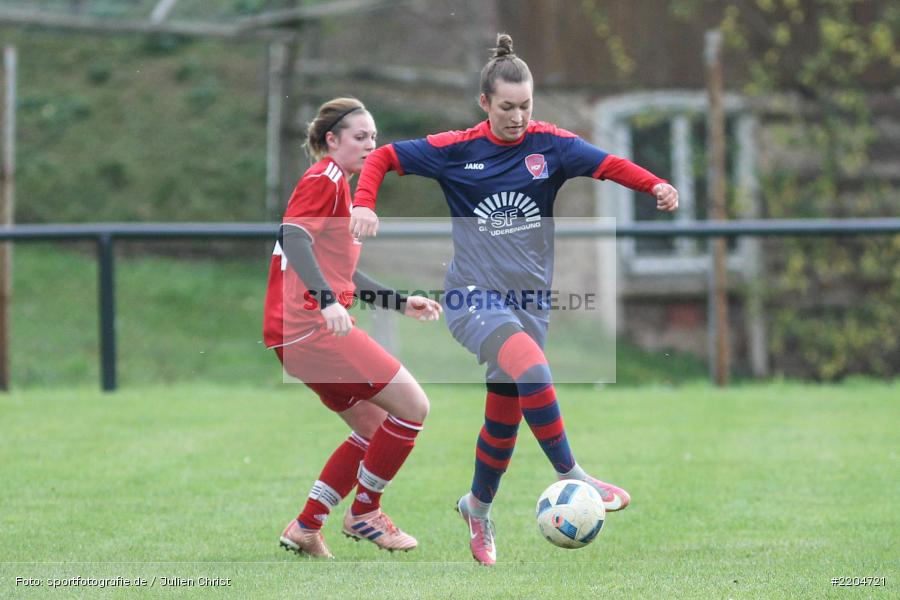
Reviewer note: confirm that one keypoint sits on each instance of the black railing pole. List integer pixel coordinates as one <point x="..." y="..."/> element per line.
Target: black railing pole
<point x="107" y="306"/>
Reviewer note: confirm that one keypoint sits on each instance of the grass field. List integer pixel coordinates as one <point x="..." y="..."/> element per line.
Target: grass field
<point x="760" y="491"/>
<point x="181" y="321"/>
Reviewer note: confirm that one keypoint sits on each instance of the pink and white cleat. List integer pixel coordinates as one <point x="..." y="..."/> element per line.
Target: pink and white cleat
<point x="614" y="498"/>
<point x="304" y="541"/>
<point x="481" y="534"/>
<point x="378" y="528"/>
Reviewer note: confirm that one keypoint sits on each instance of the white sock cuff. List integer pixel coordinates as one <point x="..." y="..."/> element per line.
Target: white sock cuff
<point x="325" y="494"/>
<point x="358" y="440"/>
<point x="576" y="473"/>
<point x="477" y="507"/>
<point x="403" y="423"/>
<point x="370" y="481"/>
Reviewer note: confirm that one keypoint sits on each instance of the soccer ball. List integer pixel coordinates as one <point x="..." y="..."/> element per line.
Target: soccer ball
<point x="570" y="514"/>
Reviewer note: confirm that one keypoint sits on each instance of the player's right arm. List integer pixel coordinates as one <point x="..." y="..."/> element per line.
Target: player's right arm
<point x="424" y="156"/>
<point x="310" y="205"/>
<point x="297" y="247"/>
<point x="363" y="220"/>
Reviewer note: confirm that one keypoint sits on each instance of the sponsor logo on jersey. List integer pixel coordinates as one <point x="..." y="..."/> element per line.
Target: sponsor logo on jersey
<point x="537" y="166"/>
<point x="507" y="212"/>
<point x="474" y="167"/>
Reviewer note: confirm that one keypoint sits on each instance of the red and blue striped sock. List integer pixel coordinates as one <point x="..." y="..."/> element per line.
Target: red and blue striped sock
<point x="496" y="441"/>
<point x="522" y="359"/>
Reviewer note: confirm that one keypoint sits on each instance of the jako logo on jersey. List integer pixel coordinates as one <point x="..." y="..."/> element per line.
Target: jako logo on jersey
<point x="500" y="212"/>
<point x="474" y="166"/>
<point x="536" y="165"/>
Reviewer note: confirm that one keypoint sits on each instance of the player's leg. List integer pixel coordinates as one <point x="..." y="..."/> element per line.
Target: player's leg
<point x="406" y="407"/>
<point x="493" y="451"/>
<point x="520" y="356"/>
<point x="368" y="372"/>
<point x="496" y="440"/>
<point x="338" y="477"/>
<point x="470" y="323"/>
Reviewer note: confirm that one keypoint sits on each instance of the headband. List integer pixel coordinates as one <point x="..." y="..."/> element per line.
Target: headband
<point x="341" y="118"/>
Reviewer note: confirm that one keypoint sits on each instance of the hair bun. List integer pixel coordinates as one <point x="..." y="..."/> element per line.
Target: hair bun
<point x="504" y="46"/>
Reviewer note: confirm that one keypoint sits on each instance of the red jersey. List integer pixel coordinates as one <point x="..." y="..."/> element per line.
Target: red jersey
<point x="320" y="205"/>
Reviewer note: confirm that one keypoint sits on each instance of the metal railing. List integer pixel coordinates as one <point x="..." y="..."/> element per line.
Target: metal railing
<point x="106" y="234"/>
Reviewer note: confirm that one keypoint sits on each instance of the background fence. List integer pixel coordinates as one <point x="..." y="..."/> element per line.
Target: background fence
<point x="106" y="235"/>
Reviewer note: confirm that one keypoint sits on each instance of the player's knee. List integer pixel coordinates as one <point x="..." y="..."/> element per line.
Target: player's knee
<point x="405" y="398"/>
<point x="367" y="428"/>
<point x="417" y="403"/>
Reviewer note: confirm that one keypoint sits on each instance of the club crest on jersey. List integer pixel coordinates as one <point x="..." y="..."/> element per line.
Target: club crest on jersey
<point x="537" y="166"/>
<point x="507" y="212"/>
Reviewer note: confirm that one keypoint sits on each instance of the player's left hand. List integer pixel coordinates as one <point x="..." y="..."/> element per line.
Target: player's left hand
<point x="666" y="197"/>
<point x="422" y="308"/>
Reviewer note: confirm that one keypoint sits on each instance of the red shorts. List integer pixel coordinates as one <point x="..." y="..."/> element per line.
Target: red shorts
<point x="341" y="370"/>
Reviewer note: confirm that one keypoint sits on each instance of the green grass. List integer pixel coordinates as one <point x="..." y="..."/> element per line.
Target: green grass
<point x="158" y="128"/>
<point x="760" y="491"/>
<point x="201" y="320"/>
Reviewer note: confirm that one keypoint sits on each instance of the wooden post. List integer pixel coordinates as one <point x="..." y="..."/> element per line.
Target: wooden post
<point x="716" y="170"/>
<point x="7" y="206"/>
<point x="277" y="58"/>
<point x="296" y="111"/>
<point x="161" y="10"/>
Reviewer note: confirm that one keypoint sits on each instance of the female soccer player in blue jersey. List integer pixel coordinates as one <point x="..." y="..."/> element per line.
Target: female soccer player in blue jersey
<point x="500" y="179"/>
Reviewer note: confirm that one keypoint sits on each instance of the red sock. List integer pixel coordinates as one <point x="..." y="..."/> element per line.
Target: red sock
<point x="336" y="481"/>
<point x="387" y="451"/>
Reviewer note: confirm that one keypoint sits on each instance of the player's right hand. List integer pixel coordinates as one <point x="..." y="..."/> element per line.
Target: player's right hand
<point x="337" y="319"/>
<point x="363" y="222"/>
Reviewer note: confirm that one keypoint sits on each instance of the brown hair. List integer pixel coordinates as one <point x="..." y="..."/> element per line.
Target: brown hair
<point x="330" y="118"/>
<point x="503" y="64"/>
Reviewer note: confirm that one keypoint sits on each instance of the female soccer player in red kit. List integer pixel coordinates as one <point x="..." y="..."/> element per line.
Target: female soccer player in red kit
<point x="500" y="179"/>
<point x="312" y="281"/>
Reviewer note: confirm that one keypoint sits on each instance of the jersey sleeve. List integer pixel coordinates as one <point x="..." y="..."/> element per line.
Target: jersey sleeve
<point x="312" y="202"/>
<point x="624" y="172"/>
<point x="424" y="156"/>
<point x="376" y="166"/>
<point x="579" y="158"/>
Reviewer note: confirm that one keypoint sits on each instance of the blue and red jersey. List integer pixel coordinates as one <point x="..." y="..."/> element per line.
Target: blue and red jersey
<point x="501" y="195"/>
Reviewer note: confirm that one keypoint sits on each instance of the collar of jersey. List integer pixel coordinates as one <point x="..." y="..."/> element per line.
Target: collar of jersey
<point x="486" y="128"/>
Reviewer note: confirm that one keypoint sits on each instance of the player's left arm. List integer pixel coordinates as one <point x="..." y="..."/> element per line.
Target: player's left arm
<point x="372" y="292"/>
<point x="624" y="172"/>
<point x="583" y="159"/>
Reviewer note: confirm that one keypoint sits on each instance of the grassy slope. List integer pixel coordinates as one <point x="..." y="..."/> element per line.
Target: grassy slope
<point x="162" y="129"/>
<point x="759" y="491"/>
<point x="130" y="129"/>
